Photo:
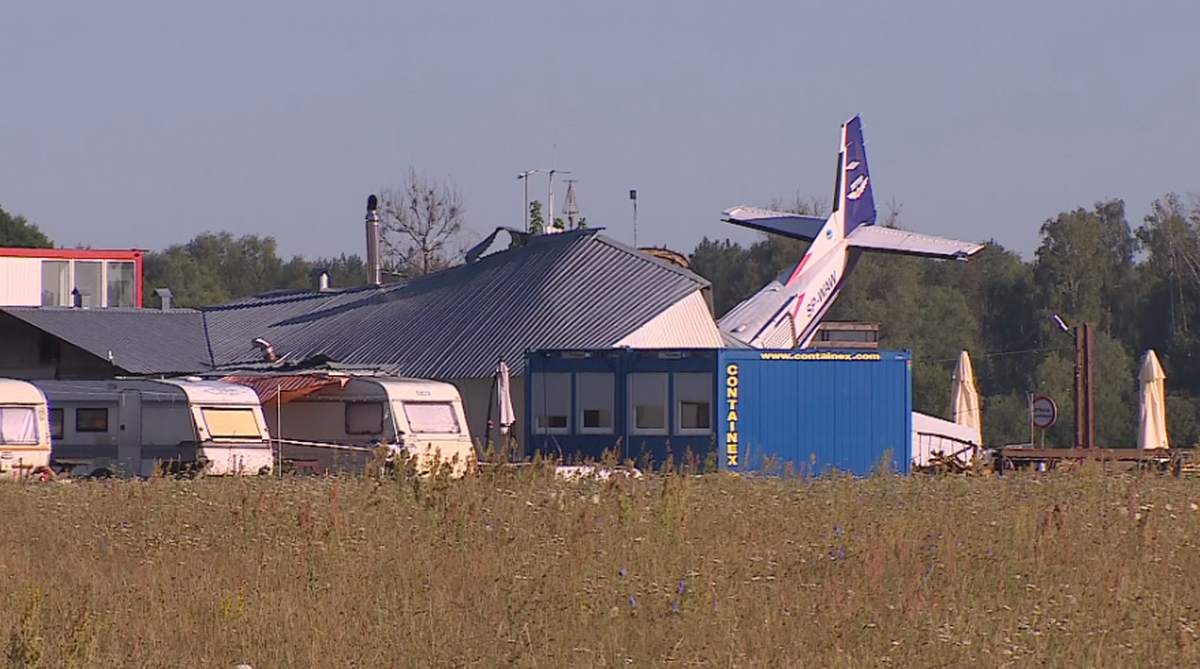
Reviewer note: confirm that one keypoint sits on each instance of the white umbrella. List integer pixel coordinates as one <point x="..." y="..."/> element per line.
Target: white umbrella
<point x="964" y="397"/>
<point x="504" y="395"/>
<point x="1152" y="427"/>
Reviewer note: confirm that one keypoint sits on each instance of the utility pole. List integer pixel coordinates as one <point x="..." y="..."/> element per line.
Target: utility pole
<point x="1085" y="418"/>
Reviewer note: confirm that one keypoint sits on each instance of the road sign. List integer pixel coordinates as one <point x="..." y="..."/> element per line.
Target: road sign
<point x="1045" y="412"/>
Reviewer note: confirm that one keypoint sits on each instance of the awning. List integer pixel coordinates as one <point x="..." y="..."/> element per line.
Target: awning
<point x="292" y="386"/>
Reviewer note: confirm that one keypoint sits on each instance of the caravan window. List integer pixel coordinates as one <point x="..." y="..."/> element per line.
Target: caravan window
<point x="56" y="423"/>
<point x="91" y="420"/>
<point x="431" y="417"/>
<point x="18" y="425"/>
<point x="364" y="418"/>
<point x="230" y="423"/>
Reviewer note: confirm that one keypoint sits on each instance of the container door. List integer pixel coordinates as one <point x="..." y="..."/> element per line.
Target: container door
<point x="129" y="435"/>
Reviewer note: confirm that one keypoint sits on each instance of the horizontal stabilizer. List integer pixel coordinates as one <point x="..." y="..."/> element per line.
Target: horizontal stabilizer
<point x="795" y="226"/>
<point x="891" y="240"/>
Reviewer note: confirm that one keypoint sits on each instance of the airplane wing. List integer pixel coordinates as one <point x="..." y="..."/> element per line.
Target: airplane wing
<point x="891" y="240"/>
<point x="795" y="226"/>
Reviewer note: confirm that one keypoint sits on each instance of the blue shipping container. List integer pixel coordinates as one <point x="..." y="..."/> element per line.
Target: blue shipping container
<point x="815" y="410"/>
<point x="749" y="409"/>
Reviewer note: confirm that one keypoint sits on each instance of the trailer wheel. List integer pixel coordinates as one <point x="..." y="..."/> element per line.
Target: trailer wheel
<point x="101" y="473"/>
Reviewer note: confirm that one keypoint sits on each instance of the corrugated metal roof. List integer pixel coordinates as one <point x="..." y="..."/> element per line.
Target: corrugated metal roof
<point x="576" y="289"/>
<point x="142" y="341"/>
<point x="686" y="324"/>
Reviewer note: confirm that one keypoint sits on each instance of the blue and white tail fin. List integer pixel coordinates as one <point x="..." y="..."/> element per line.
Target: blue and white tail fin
<point x="853" y="193"/>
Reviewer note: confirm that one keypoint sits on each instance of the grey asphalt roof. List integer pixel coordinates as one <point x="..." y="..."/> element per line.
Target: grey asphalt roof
<point x="142" y="341"/>
<point x="576" y="289"/>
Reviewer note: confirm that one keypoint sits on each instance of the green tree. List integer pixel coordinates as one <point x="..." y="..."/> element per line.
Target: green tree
<point x="536" y="223"/>
<point x="17" y="232"/>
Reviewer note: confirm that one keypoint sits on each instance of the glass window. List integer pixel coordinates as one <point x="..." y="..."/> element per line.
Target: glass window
<point x="91" y="420"/>
<point x="56" y="283"/>
<point x="648" y="402"/>
<point x="693" y="394"/>
<point x="87" y="280"/>
<point x="56" y="423"/>
<point x="364" y="418"/>
<point x="595" y="398"/>
<point x="18" y="426"/>
<point x="120" y="284"/>
<point x="551" y="401"/>
<point x="431" y="417"/>
<point x="231" y="423"/>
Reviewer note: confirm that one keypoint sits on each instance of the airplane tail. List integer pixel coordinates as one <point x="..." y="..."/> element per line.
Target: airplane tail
<point x="853" y="191"/>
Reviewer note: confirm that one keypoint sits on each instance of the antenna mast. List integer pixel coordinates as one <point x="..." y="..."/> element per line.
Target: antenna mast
<point x="571" y="206"/>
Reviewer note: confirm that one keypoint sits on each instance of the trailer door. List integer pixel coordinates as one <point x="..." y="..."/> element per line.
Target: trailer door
<point x="129" y="435"/>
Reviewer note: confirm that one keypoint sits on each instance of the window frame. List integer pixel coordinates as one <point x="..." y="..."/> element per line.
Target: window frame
<point x="631" y="419"/>
<point x="539" y="390"/>
<point x="80" y="429"/>
<point x="580" y="381"/>
<point x="61" y="423"/>
<point x="204" y="411"/>
<point x="28" y="412"/>
<point x="679" y="399"/>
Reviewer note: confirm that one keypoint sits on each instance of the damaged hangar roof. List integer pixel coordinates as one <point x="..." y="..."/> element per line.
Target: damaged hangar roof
<point x="574" y="289"/>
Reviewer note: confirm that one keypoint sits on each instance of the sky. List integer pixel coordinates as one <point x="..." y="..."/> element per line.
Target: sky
<point x="142" y="124"/>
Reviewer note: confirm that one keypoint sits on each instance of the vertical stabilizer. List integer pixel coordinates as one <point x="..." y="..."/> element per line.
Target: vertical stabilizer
<point x="856" y="199"/>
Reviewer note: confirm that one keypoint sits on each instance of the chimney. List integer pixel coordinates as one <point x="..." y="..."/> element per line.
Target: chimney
<point x="81" y="298"/>
<point x="165" y="297"/>
<point x="373" y="263"/>
<point x="320" y="277"/>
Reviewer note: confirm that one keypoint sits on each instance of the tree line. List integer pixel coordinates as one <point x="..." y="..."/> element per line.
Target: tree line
<point x="1139" y="287"/>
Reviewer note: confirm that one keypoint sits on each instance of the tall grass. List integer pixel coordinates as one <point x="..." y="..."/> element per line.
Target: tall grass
<point x="516" y="568"/>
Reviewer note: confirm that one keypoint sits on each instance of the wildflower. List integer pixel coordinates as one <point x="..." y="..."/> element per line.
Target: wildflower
<point x="621" y="572"/>
<point x="680" y="588"/>
<point x="633" y="600"/>
<point x="675" y="606"/>
<point x="837" y="530"/>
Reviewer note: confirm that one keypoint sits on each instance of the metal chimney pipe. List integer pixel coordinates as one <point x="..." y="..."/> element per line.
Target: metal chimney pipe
<point x="374" y="267"/>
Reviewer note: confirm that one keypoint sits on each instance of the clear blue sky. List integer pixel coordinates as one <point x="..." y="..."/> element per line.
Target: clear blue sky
<point x="141" y="124"/>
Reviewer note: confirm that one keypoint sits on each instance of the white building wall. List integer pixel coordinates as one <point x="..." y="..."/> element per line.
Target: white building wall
<point x="20" y="282"/>
<point x="686" y="324"/>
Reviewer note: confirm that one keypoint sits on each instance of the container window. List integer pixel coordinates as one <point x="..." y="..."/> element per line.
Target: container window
<point x="18" y="426"/>
<point x="364" y="418"/>
<point x="648" y="402"/>
<point x="87" y="280"/>
<point x="693" y="395"/>
<point x="121" y="278"/>
<point x="56" y="423"/>
<point x="231" y="423"/>
<point x="91" y="420"/>
<point x="431" y="417"/>
<point x="595" y="397"/>
<point x="551" y="402"/>
<point x="56" y="283"/>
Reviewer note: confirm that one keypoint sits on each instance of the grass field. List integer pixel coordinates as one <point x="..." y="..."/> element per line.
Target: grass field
<point x="518" y="569"/>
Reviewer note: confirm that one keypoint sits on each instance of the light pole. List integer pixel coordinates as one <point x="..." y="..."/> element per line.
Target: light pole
<point x="525" y="175"/>
<point x="633" y="197"/>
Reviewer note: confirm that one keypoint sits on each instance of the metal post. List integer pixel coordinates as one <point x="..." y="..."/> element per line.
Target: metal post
<point x="1088" y="404"/>
<point x="1079" y="386"/>
<point x="633" y="196"/>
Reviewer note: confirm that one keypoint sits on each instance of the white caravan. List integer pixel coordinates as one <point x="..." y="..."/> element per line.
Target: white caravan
<point x="24" y="429"/>
<point x="334" y="421"/>
<point x="128" y="427"/>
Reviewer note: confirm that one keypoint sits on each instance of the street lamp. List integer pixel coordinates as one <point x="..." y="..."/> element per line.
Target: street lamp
<point x="525" y="175"/>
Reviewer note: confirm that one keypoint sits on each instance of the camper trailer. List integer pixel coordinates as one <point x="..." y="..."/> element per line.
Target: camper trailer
<point x="24" y="429"/>
<point x="129" y="427"/>
<point x="335" y="421"/>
